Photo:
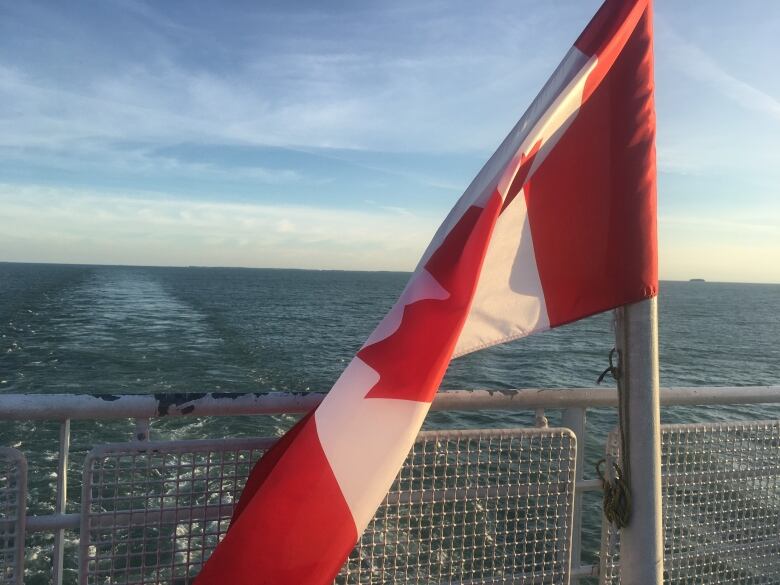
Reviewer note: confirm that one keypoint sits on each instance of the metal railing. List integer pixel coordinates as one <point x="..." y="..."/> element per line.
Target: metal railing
<point x="466" y="507"/>
<point x="13" y="487"/>
<point x="721" y="504"/>
<point x="573" y="403"/>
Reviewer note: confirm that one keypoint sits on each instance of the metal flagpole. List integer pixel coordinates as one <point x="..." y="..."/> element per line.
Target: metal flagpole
<point x="641" y="541"/>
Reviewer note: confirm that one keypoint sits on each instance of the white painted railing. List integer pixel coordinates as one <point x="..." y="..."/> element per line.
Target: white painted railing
<point x="720" y="504"/>
<point x="146" y="408"/>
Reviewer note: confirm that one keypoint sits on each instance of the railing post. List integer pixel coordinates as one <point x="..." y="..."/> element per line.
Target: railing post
<point x="641" y="542"/>
<point x="61" y="503"/>
<point x="574" y="419"/>
<point x="141" y="429"/>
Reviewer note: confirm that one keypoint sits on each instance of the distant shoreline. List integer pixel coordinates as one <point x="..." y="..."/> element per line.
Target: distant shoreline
<point x="196" y="267"/>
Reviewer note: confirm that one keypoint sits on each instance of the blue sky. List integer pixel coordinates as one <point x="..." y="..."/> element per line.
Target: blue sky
<point x="338" y="135"/>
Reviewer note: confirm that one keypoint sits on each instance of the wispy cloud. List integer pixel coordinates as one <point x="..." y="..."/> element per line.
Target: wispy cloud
<point x="101" y="227"/>
<point x="402" y="78"/>
<point x="700" y="66"/>
<point x="399" y="210"/>
<point x="391" y="208"/>
<point x="295" y="86"/>
<point x="716" y="106"/>
<point x="142" y="160"/>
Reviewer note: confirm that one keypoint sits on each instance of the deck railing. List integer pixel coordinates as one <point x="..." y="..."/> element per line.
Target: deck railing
<point x="574" y="404"/>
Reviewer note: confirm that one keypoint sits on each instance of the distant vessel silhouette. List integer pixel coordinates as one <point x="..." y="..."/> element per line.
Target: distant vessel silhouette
<point x="697" y="280"/>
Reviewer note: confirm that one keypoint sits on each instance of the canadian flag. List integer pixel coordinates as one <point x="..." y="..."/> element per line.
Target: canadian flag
<point x="558" y="225"/>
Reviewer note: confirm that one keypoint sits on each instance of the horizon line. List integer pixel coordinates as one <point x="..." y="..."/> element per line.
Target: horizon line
<point x="202" y="267"/>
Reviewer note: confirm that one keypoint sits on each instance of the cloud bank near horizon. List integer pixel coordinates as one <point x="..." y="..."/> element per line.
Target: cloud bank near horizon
<point x="100" y="228"/>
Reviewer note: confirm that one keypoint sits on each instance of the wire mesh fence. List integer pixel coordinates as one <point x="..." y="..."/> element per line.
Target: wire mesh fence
<point x="468" y="506"/>
<point x="13" y="492"/>
<point x="721" y="504"/>
<point x="151" y="512"/>
<point x="474" y="507"/>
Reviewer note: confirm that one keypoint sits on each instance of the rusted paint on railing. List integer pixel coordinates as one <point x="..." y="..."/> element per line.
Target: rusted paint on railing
<point x="103" y="406"/>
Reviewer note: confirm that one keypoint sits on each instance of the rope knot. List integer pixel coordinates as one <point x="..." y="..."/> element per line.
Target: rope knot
<point x="617" y="498"/>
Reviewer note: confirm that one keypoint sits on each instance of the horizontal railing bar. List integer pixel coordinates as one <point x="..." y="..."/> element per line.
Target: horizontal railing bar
<point x="584" y="571"/>
<point x="139" y="518"/>
<point x="52" y="522"/>
<point x="588" y="485"/>
<point x="106" y="406"/>
<point x="92" y="406"/>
